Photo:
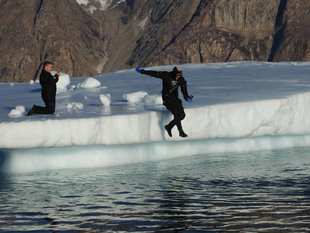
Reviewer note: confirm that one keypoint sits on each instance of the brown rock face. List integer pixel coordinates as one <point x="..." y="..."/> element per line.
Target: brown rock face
<point x="35" y="30"/>
<point x="84" y="40"/>
<point x="292" y="34"/>
<point x="232" y="30"/>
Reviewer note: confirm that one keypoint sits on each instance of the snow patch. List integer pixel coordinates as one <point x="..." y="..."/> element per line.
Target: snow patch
<point x="19" y="111"/>
<point x="75" y="106"/>
<point x="92" y="9"/>
<point x="153" y="100"/>
<point x="135" y="97"/>
<point x="63" y="82"/>
<point x="143" y="23"/>
<point x="100" y="66"/>
<point x="104" y="4"/>
<point x="82" y="2"/>
<point x="89" y="83"/>
<point x="105" y="99"/>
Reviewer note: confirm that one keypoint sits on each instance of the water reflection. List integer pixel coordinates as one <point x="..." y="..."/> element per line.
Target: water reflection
<point x="263" y="191"/>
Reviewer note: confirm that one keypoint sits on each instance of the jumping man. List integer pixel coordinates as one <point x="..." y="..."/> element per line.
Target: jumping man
<point x="171" y="81"/>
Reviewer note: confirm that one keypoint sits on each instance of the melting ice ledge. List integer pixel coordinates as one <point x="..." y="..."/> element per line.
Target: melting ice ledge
<point x="244" y="106"/>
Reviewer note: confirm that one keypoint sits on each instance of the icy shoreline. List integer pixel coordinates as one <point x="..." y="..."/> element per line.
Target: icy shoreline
<point x="41" y="159"/>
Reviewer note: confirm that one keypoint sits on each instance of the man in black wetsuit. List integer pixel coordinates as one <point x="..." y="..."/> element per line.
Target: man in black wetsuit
<point x="48" y="83"/>
<point x="171" y="81"/>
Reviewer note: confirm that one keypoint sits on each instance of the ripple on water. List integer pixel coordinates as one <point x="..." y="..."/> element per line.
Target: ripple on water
<point x="253" y="192"/>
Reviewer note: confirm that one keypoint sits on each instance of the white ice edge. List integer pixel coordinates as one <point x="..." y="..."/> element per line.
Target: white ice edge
<point x="278" y="117"/>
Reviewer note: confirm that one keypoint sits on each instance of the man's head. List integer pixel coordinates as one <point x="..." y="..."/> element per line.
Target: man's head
<point x="48" y="66"/>
<point x="178" y="72"/>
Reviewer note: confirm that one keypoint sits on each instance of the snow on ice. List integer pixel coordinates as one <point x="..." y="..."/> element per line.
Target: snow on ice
<point x="105" y="99"/>
<point x="75" y="106"/>
<point x="135" y="97"/>
<point x="17" y="112"/>
<point x="63" y="82"/>
<point x="89" y="83"/>
<point x="239" y="106"/>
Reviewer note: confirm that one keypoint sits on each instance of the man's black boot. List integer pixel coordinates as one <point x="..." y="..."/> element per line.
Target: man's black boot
<point x="32" y="111"/>
<point x="168" y="129"/>
<point x="182" y="134"/>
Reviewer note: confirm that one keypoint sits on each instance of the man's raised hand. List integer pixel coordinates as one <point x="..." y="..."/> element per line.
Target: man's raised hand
<point x="189" y="99"/>
<point x="139" y="70"/>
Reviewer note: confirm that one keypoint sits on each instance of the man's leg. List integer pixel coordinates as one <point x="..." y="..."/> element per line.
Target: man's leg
<point x="49" y="107"/>
<point x="169" y="104"/>
<point x="41" y="110"/>
<point x="179" y="116"/>
<point x="170" y="126"/>
<point x="176" y="108"/>
<point x="179" y="126"/>
<point x="181" y="132"/>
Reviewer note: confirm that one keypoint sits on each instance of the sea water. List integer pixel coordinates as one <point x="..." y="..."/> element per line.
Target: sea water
<point x="265" y="191"/>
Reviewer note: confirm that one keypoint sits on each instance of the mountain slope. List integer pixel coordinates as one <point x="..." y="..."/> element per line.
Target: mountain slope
<point x="86" y="37"/>
<point x="38" y="30"/>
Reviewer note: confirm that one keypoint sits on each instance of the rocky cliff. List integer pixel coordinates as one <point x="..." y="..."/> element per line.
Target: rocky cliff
<point x="220" y="30"/>
<point x="86" y="37"/>
<point x="61" y="31"/>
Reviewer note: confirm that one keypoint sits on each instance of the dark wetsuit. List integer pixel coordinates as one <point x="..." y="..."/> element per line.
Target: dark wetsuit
<point x="48" y="83"/>
<point x="170" y="94"/>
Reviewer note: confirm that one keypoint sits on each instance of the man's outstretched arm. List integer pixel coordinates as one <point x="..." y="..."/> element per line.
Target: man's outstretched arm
<point x="156" y="74"/>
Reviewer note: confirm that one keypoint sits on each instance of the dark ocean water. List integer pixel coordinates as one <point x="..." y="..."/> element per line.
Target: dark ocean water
<point x="266" y="191"/>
